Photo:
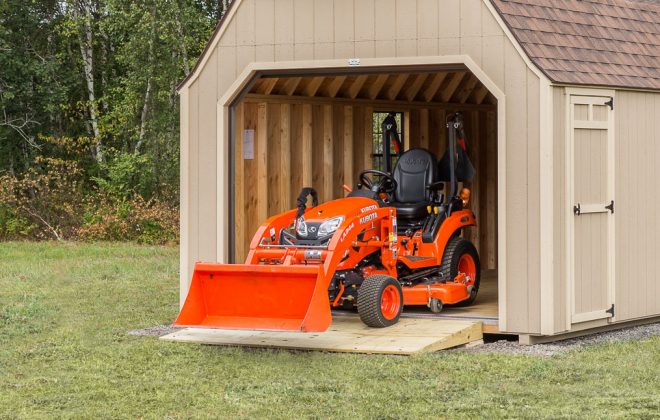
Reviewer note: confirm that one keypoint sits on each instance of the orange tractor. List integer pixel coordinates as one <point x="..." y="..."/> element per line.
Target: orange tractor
<point x="393" y="241"/>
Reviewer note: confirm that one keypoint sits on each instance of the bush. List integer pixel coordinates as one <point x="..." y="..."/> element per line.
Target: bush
<point x="51" y="200"/>
<point x="45" y="202"/>
<point x="151" y="222"/>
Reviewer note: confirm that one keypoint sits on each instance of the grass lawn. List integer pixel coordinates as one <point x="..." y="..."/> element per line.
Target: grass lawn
<point x="65" y="310"/>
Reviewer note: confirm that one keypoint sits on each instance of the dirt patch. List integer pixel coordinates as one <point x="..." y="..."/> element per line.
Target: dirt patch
<point x="157" y="331"/>
<point x="551" y="349"/>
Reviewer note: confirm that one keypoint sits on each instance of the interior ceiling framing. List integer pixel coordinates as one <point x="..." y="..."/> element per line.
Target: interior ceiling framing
<point x="448" y="87"/>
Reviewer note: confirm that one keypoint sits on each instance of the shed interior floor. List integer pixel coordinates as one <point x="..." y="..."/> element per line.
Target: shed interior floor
<point x="485" y="308"/>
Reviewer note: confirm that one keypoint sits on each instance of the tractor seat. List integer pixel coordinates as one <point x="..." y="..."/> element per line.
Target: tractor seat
<point x="410" y="210"/>
<point x="414" y="171"/>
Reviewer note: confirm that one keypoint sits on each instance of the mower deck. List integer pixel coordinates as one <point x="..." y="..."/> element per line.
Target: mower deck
<point x="348" y="334"/>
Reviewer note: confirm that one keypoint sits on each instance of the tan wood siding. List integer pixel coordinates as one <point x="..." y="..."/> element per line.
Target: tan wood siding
<point x="637" y="143"/>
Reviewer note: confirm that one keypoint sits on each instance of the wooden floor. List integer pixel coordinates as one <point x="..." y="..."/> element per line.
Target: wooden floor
<point x="349" y="335"/>
<point x="484" y="309"/>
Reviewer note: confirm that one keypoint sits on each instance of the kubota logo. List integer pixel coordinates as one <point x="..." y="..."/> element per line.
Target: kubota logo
<point x="368" y="218"/>
<point x="368" y="208"/>
<point x="413" y="161"/>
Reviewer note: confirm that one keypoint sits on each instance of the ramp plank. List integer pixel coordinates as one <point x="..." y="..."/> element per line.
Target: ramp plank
<point x="349" y="335"/>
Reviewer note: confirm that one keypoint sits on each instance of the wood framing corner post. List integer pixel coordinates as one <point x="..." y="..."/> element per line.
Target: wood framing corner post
<point x="224" y="179"/>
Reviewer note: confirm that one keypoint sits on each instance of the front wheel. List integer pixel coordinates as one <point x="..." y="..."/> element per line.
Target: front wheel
<point x="380" y="301"/>
<point x="461" y="256"/>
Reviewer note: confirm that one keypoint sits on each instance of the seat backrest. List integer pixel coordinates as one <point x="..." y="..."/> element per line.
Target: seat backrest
<point x="415" y="169"/>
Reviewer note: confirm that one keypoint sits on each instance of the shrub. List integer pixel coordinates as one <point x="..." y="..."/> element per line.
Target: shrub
<point x="110" y="218"/>
<point x="52" y="200"/>
<point x="45" y="202"/>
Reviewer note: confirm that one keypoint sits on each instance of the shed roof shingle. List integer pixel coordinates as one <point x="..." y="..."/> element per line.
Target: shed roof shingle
<point x="589" y="42"/>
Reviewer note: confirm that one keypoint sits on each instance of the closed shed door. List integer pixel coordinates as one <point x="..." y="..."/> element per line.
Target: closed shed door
<point x="591" y="227"/>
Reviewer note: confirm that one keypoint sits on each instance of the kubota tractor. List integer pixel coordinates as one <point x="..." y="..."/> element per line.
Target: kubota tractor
<point x="393" y="241"/>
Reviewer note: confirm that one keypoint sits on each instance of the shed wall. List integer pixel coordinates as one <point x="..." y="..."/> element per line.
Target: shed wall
<point x="303" y="30"/>
<point x="637" y="151"/>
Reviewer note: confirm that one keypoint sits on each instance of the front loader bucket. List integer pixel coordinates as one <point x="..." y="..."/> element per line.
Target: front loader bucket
<point x="257" y="297"/>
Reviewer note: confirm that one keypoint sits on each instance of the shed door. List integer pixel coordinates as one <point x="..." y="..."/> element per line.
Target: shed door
<point x="591" y="160"/>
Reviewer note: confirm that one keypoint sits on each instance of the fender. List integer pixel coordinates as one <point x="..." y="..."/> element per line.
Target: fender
<point x="457" y="221"/>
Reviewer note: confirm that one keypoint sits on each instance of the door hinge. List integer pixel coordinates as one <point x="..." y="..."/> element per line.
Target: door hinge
<point x="611" y="311"/>
<point x="576" y="209"/>
<point x="610" y="207"/>
<point x="610" y="103"/>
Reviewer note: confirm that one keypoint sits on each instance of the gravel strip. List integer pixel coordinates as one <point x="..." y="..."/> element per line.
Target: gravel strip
<point x="551" y="349"/>
<point x="157" y="331"/>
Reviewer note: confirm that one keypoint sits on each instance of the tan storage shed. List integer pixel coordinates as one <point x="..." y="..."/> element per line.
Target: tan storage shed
<point x="562" y="105"/>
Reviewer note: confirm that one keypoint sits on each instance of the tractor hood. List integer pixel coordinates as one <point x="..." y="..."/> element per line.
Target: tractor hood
<point x="318" y="224"/>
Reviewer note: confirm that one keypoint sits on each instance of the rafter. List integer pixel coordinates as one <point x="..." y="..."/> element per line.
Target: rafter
<point x="377" y="86"/>
<point x="334" y="86"/>
<point x="356" y="86"/>
<point x="396" y="87"/>
<point x="467" y="89"/>
<point x="412" y="90"/>
<point x="480" y="94"/>
<point x="430" y="92"/>
<point x="291" y="85"/>
<point x="267" y="85"/>
<point x="449" y="91"/>
<point x="313" y="86"/>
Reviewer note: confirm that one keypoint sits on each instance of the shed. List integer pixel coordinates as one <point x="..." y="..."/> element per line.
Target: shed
<point x="562" y="106"/>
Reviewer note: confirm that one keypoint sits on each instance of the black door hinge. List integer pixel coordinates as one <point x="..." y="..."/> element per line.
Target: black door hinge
<point x="576" y="209"/>
<point x="611" y="311"/>
<point x="610" y="207"/>
<point x="610" y="103"/>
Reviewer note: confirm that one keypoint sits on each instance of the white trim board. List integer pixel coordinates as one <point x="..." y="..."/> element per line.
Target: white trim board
<point x="252" y="69"/>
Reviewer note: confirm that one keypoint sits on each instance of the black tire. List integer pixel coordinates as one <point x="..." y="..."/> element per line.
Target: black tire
<point x="369" y="299"/>
<point x="435" y="306"/>
<point x="456" y="248"/>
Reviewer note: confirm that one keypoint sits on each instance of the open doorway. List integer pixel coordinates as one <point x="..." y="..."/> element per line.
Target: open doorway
<point x="321" y="130"/>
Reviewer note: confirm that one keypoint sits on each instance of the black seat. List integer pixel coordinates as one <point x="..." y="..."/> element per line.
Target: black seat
<point x="414" y="171"/>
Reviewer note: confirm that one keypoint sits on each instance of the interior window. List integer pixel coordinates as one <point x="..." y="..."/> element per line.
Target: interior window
<point x="377" y="139"/>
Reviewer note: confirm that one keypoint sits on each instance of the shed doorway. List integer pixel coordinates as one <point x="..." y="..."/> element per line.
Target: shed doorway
<point x="293" y="130"/>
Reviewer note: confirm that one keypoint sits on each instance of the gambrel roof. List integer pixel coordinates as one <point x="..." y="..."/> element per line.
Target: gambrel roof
<point x="612" y="43"/>
<point x="589" y="42"/>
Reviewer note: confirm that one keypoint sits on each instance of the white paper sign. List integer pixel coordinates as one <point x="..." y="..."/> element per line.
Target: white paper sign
<point x="248" y="144"/>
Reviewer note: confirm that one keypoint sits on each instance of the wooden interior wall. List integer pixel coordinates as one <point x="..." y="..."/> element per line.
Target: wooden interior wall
<point x="325" y="145"/>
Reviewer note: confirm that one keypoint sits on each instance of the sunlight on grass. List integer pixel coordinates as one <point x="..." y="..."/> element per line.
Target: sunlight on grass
<point x="65" y="310"/>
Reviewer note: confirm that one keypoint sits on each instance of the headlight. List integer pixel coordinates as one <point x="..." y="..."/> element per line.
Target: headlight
<point x="301" y="227"/>
<point x="329" y="226"/>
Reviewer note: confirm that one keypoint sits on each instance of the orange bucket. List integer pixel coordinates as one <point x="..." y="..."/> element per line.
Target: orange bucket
<point x="257" y="297"/>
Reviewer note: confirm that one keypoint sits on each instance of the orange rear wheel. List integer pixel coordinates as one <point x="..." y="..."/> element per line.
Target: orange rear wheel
<point x="461" y="257"/>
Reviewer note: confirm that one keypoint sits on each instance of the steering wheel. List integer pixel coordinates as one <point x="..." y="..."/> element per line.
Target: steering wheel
<point x="386" y="184"/>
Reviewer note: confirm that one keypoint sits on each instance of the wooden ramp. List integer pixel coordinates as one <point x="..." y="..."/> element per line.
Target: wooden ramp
<point x="348" y="334"/>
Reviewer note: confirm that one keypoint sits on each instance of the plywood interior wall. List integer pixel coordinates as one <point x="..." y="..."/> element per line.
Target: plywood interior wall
<point x="324" y="145"/>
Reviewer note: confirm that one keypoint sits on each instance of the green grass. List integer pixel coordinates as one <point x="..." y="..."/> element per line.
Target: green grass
<point x="65" y="310"/>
